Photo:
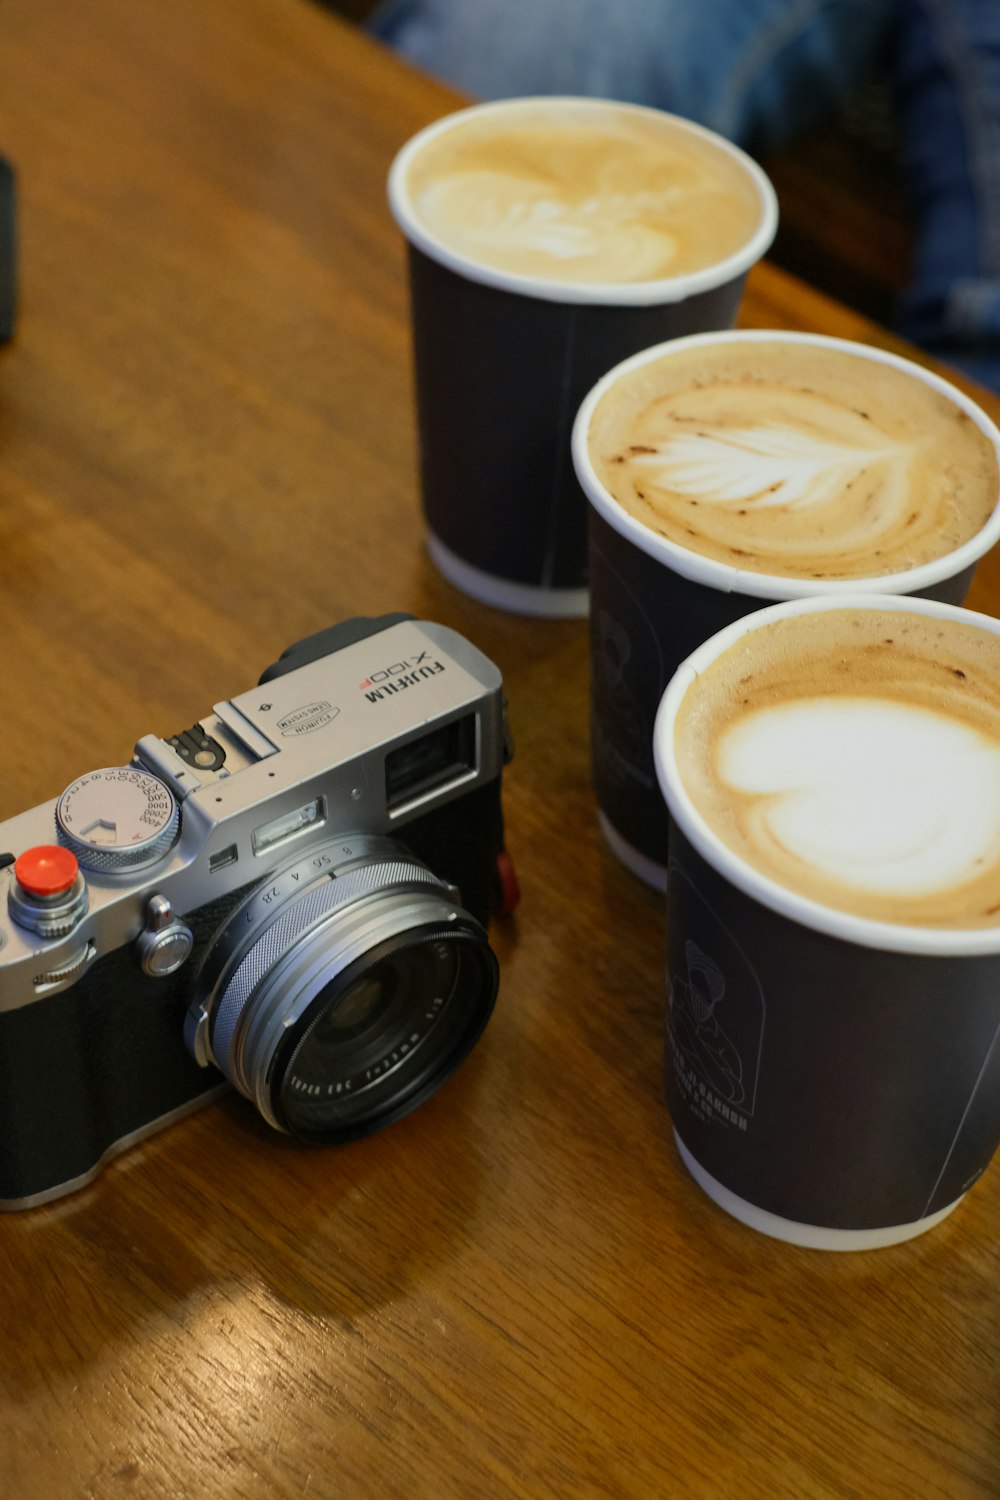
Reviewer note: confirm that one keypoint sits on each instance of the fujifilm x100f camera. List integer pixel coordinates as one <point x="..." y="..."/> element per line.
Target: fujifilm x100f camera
<point x="290" y="897"/>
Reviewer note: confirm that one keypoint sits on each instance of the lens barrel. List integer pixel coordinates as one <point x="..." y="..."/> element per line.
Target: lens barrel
<point x="346" y="990"/>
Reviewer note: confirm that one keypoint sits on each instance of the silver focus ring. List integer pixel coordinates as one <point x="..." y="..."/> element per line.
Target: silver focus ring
<point x="307" y="912"/>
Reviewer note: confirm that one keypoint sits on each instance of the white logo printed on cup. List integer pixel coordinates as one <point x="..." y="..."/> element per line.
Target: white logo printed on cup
<point x="766" y="466"/>
<point x="884" y="797"/>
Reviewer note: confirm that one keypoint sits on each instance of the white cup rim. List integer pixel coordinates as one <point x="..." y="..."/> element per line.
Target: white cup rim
<point x="722" y="576"/>
<point x="864" y="931"/>
<point x="606" y="294"/>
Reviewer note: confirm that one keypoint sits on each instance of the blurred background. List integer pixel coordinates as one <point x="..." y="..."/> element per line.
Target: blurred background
<point x="877" y="120"/>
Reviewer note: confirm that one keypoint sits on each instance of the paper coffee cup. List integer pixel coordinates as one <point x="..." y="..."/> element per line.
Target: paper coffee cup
<point x="832" y="772"/>
<point x="654" y="599"/>
<point x="526" y="284"/>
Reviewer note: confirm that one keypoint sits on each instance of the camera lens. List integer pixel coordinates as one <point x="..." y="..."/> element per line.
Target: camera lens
<point x="345" y="992"/>
<point x="377" y="1039"/>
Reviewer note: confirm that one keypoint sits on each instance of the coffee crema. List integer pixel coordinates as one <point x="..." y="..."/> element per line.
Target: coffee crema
<point x="793" y="459"/>
<point x="583" y="192"/>
<point x="853" y="756"/>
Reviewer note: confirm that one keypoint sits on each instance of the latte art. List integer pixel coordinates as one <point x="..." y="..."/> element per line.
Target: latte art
<point x="763" y="466"/>
<point x="885" y="798"/>
<point x="583" y="191"/>
<point x="611" y="238"/>
<point x="854" y="757"/>
<point x="793" y="459"/>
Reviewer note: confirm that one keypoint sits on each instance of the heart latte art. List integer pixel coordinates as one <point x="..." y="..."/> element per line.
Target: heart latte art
<point x="583" y="191"/>
<point x="885" y="797"/>
<point x="793" y="459"/>
<point x="854" y="756"/>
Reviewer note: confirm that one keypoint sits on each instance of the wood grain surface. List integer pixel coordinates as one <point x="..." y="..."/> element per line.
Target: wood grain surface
<point x="207" y="451"/>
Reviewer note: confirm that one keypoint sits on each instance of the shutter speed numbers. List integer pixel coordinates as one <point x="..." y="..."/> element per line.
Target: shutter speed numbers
<point x="117" y="819"/>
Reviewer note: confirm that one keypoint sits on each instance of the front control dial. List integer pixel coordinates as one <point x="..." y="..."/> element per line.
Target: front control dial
<point x="118" y="819"/>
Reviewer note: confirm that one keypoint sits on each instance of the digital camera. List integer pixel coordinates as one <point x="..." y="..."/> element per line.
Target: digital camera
<point x="268" y="900"/>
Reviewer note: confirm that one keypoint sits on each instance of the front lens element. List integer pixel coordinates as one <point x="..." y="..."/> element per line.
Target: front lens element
<point x="341" y="994"/>
<point x="376" y="1042"/>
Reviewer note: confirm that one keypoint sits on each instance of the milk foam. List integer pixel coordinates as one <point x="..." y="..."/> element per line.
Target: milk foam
<point x="614" y="238"/>
<point x="883" y="797"/>
<point x="581" y="191"/>
<point x="792" y="459"/>
<point x="766" y="465"/>
<point x="853" y="756"/>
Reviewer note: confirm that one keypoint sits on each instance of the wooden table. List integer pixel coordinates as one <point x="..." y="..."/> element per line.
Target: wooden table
<point x="207" y="452"/>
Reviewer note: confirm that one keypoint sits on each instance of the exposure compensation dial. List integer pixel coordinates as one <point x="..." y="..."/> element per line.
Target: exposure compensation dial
<point x="117" y="820"/>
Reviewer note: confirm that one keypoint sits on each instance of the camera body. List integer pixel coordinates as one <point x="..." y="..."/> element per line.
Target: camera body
<point x="268" y="900"/>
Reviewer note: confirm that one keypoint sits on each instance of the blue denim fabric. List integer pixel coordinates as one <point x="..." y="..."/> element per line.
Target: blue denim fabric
<point x="946" y="66"/>
<point x="756" y="71"/>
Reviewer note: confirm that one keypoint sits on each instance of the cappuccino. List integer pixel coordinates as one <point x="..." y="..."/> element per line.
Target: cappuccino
<point x="580" y="191"/>
<point x="798" y="458"/>
<point x="852" y="756"/>
<point x="547" y="240"/>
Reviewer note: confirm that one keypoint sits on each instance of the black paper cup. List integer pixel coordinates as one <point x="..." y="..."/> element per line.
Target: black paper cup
<point x="502" y="362"/>
<point x="653" y="602"/>
<point x="832" y="1080"/>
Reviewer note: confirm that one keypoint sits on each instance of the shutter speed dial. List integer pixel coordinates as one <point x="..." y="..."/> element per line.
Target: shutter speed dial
<point x="117" y="820"/>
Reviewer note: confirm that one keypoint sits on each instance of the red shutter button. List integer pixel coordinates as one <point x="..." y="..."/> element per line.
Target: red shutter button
<point x="47" y="870"/>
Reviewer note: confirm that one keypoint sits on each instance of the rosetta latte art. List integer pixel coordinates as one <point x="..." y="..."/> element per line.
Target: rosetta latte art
<point x="616" y="236"/>
<point x="583" y="192"/>
<point x="791" y="459"/>
<point x="766" y="466"/>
